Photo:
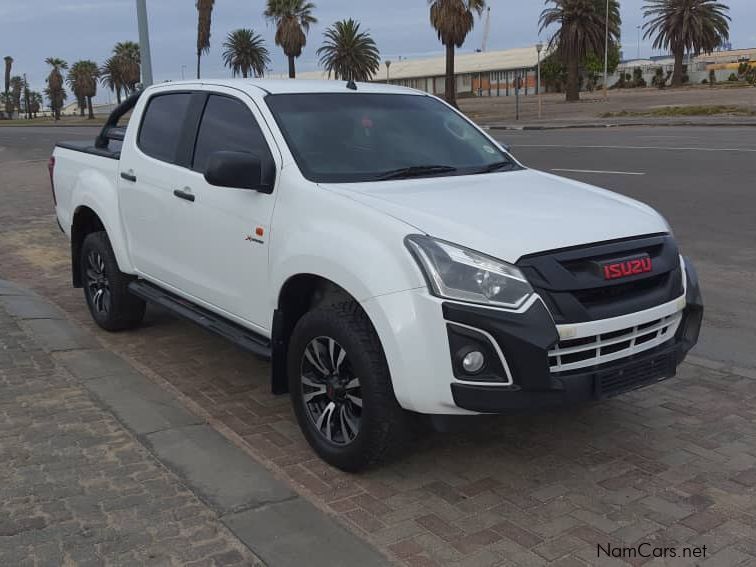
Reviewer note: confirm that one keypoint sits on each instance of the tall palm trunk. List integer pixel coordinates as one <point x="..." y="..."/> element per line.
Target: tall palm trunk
<point x="118" y="94"/>
<point x="199" y="58"/>
<point x="677" y="73"/>
<point x="573" y="79"/>
<point x="292" y="70"/>
<point x="450" y="88"/>
<point x="89" y="106"/>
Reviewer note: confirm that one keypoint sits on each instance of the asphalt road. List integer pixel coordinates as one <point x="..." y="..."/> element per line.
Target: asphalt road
<point x="700" y="179"/>
<point x="703" y="180"/>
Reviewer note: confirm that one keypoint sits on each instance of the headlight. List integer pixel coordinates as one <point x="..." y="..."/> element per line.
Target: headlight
<point x="454" y="272"/>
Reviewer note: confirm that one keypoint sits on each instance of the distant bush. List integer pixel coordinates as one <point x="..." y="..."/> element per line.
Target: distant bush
<point x="659" y="80"/>
<point x="733" y="78"/>
<point x="712" y="77"/>
<point x="705" y="82"/>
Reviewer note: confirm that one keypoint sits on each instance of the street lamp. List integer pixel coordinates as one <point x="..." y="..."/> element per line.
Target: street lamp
<point x="606" y="54"/>
<point x="388" y="64"/>
<point x="539" y="48"/>
<point x="144" y="42"/>
<point x="183" y="68"/>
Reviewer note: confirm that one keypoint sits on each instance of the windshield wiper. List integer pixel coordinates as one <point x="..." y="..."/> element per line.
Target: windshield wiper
<point x="415" y="171"/>
<point x="498" y="166"/>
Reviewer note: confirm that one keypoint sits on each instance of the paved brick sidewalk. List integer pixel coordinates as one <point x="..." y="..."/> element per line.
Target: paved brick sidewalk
<point x="77" y="489"/>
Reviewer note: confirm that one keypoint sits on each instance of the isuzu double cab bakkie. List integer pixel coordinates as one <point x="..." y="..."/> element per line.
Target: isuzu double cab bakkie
<point x="384" y="252"/>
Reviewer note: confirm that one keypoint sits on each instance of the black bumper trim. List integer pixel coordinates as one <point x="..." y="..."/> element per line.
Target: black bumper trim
<point x="599" y="383"/>
<point x="526" y="338"/>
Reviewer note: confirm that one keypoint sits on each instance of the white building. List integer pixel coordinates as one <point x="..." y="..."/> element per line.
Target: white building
<point x="490" y="73"/>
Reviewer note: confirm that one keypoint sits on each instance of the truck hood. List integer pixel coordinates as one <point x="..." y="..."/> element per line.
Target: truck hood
<point x="510" y="214"/>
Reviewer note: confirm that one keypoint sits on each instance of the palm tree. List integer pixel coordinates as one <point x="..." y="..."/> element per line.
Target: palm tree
<point x="292" y="19"/>
<point x="204" y="15"/>
<point x="128" y="60"/>
<point x="35" y="103"/>
<point x="453" y="20"/>
<point x="110" y="76"/>
<point x="695" y="26"/>
<point x="75" y="81"/>
<point x="245" y="53"/>
<point x="348" y="53"/>
<point x="7" y="103"/>
<point x="582" y="31"/>
<point x="17" y="85"/>
<point x="82" y="78"/>
<point x="8" y="66"/>
<point x="55" y="91"/>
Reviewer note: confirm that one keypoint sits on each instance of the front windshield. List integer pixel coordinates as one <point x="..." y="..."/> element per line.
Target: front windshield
<point x="351" y="137"/>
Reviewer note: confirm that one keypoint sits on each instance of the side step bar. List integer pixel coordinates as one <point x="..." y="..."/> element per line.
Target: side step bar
<point x="244" y="338"/>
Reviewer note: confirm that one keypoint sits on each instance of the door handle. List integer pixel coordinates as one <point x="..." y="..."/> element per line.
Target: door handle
<point x="128" y="176"/>
<point x="184" y="195"/>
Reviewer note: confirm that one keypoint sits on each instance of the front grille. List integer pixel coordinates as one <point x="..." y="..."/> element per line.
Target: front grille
<point x="635" y="375"/>
<point x="599" y="349"/>
<point x="573" y="287"/>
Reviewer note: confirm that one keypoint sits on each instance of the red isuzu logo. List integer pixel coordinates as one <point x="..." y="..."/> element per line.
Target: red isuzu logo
<point x="615" y="269"/>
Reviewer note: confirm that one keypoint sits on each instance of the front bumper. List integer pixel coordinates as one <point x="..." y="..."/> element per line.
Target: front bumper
<point x="414" y="329"/>
<point x="534" y="386"/>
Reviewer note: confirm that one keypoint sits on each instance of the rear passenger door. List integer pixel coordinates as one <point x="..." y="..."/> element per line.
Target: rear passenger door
<point x="222" y="252"/>
<point x="149" y="164"/>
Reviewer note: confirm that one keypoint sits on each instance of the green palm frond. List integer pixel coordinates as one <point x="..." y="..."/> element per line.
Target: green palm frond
<point x="348" y="53"/>
<point x="245" y="53"/>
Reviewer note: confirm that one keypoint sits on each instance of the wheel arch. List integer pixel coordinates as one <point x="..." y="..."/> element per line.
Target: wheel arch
<point x="85" y="222"/>
<point x="299" y="294"/>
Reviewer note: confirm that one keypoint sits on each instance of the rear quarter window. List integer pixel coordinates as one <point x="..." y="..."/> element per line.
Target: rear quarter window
<point x="163" y="120"/>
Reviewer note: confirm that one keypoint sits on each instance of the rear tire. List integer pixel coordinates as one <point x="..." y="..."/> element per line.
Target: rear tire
<point x="341" y="388"/>
<point x="106" y="288"/>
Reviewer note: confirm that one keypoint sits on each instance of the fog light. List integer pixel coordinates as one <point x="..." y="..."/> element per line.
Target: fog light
<point x="473" y="362"/>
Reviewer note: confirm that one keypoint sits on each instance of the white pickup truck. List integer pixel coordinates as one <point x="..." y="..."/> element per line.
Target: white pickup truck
<point x="385" y="253"/>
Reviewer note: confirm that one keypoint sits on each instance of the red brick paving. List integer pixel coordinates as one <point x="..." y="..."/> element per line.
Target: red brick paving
<point x="674" y="463"/>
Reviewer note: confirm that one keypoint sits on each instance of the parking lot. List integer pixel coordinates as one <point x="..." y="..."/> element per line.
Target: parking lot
<point x="673" y="465"/>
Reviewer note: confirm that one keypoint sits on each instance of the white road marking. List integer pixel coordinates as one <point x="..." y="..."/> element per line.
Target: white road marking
<point x="598" y="171"/>
<point x="750" y="150"/>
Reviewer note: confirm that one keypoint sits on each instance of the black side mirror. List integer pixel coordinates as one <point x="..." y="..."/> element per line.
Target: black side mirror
<point x="239" y="170"/>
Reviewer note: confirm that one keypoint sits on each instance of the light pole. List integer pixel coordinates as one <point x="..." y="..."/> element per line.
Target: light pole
<point x="388" y="64"/>
<point x="144" y="42"/>
<point x="183" y="68"/>
<point x="606" y="54"/>
<point x="639" y="29"/>
<point x="539" y="48"/>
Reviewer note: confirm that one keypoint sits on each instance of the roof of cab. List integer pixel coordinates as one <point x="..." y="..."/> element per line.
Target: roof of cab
<point x="281" y="86"/>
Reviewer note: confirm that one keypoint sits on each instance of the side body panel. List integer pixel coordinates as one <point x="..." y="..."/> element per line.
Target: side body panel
<point x="86" y="180"/>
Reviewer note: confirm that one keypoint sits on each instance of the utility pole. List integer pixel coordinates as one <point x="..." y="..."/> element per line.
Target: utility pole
<point x="518" y="83"/>
<point x="388" y="64"/>
<point x="144" y="43"/>
<point x="606" y="55"/>
<point x="639" y="30"/>
<point x="539" y="48"/>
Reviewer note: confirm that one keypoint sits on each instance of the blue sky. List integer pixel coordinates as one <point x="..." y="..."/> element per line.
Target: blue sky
<point x="87" y="29"/>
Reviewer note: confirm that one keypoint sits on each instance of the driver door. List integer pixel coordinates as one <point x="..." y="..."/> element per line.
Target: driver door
<point x="224" y="232"/>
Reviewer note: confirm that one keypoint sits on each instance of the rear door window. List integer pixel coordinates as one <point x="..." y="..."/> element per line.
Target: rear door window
<point x="160" y="134"/>
<point x="228" y="125"/>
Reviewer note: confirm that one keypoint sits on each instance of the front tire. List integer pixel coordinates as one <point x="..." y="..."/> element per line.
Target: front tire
<point x="106" y="288"/>
<point x="341" y="388"/>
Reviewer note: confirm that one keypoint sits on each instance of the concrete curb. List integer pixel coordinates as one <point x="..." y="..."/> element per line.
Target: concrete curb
<point x="592" y="125"/>
<point x="265" y="514"/>
<point x="51" y="125"/>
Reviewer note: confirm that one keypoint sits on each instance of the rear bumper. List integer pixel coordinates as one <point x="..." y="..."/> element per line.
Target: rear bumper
<point x="535" y="387"/>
